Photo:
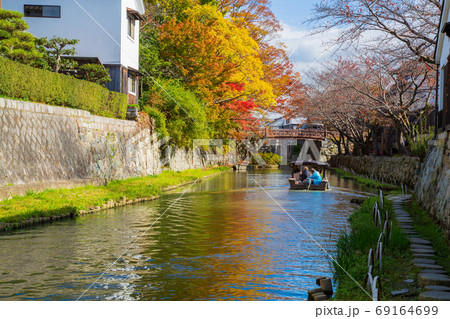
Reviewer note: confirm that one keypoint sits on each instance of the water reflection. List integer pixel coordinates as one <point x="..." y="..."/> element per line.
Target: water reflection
<point x="225" y="239"/>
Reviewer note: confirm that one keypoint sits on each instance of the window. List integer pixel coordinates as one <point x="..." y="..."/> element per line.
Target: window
<point x="131" y="26"/>
<point x="131" y="83"/>
<point x="42" y="11"/>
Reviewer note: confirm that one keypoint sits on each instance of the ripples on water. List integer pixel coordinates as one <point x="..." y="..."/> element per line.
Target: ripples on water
<point x="225" y="239"/>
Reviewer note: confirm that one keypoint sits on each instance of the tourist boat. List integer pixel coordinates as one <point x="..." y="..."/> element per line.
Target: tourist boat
<point x="321" y="167"/>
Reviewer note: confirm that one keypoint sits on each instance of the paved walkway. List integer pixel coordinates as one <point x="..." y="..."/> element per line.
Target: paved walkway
<point x="432" y="277"/>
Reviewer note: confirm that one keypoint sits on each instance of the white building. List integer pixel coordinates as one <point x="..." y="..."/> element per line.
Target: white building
<point x="290" y="124"/>
<point x="107" y="30"/>
<point x="442" y="57"/>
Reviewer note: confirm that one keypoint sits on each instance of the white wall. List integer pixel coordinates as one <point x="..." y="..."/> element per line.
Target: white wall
<point x="442" y="52"/>
<point x="130" y="47"/>
<point x="76" y="24"/>
<point x="442" y="63"/>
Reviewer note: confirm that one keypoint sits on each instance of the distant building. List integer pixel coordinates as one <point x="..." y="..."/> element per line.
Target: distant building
<point x="107" y="30"/>
<point x="282" y="123"/>
<point x="442" y="57"/>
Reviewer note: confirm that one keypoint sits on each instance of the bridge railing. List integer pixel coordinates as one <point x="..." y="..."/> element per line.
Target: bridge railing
<point x="296" y="134"/>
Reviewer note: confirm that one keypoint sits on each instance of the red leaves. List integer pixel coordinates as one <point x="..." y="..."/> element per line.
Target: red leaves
<point x="239" y="87"/>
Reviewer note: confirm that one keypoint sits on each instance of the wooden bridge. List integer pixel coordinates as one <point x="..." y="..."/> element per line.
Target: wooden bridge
<point x="305" y="134"/>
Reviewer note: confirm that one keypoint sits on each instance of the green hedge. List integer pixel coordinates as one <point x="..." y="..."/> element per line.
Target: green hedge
<point x="21" y="81"/>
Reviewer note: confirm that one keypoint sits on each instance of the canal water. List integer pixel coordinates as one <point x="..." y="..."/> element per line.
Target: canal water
<point x="225" y="239"/>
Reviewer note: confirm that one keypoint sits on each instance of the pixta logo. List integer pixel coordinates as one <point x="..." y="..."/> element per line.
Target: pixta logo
<point x="214" y="150"/>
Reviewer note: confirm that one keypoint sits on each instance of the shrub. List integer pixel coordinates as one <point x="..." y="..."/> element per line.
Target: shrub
<point x="93" y="73"/>
<point x="184" y="112"/>
<point x="159" y="118"/>
<point x="24" y="82"/>
<point x="269" y="158"/>
<point x="419" y="144"/>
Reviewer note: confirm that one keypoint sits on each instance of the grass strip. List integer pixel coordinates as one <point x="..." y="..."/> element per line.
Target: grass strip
<point x="353" y="247"/>
<point x="56" y="202"/>
<point x="366" y="181"/>
<point x="429" y="229"/>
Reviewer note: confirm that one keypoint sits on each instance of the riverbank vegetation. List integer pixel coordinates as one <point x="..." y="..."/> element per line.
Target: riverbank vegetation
<point x="429" y="229"/>
<point x="269" y="158"/>
<point x="57" y="202"/>
<point x="352" y="254"/>
<point x="366" y="181"/>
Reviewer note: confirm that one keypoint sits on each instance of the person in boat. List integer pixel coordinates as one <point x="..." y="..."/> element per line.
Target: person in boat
<point x="305" y="174"/>
<point x="297" y="175"/>
<point x="315" y="178"/>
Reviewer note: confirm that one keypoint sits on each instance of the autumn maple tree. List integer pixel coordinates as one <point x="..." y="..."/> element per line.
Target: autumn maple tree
<point x="222" y="52"/>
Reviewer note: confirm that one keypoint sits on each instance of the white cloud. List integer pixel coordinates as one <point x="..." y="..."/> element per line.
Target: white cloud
<point x="308" y="51"/>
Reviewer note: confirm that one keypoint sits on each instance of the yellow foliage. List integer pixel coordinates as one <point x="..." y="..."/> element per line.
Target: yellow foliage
<point x="225" y="54"/>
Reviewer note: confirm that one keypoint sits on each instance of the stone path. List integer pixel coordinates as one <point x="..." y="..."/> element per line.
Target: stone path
<point x="432" y="277"/>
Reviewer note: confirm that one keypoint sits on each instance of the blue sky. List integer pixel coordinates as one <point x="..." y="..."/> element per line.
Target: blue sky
<point x="306" y="52"/>
<point x="293" y="12"/>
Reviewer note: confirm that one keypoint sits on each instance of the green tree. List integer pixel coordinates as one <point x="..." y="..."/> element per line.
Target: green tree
<point x="15" y="43"/>
<point x="184" y="112"/>
<point x="94" y="73"/>
<point x="58" y="47"/>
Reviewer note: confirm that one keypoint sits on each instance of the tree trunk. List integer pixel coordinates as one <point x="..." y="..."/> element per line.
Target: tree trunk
<point x="399" y="139"/>
<point x="346" y="149"/>
<point x="375" y="143"/>
<point x="339" y="146"/>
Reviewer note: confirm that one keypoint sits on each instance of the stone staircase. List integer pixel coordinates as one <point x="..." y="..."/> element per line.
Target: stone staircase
<point x="432" y="277"/>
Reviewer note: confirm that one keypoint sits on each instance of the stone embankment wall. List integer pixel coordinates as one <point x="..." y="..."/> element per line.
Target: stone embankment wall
<point x="394" y="170"/>
<point x="45" y="146"/>
<point x="433" y="186"/>
<point x="41" y="143"/>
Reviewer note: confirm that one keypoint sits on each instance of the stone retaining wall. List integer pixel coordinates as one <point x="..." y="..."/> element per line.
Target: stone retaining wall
<point x="394" y="170"/>
<point x="41" y="143"/>
<point x="433" y="186"/>
<point x="42" y="146"/>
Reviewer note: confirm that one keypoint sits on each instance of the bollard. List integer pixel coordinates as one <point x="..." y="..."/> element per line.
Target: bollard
<point x="320" y="297"/>
<point x="375" y="208"/>
<point x="375" y="290"/>
<point x="318" y="279"/>
<point x="379" y="218"/>
<point x="369" y="278"/>
<point x="380" y="239"/>
<point x="390" y="231"/>
<point x="380" y="259"/>
<point x="381" y="199"/>
<point x="326" y="286"/>
<point x="313" y="292"/>
<point x="370" y="259"/>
